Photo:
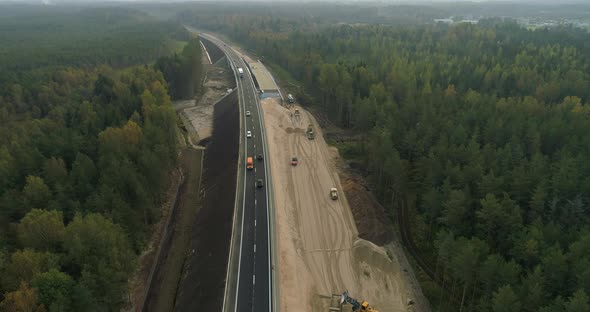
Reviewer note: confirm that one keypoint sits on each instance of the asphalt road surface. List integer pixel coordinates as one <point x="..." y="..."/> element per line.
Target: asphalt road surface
<point x="253" y="289"/>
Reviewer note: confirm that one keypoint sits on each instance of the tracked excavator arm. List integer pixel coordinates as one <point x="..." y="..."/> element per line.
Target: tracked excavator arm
<point x="356" y="305"/>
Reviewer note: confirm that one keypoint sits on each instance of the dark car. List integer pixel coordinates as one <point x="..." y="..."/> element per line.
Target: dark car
<point x="259" y="183"/>
<point x="259" y="157"/>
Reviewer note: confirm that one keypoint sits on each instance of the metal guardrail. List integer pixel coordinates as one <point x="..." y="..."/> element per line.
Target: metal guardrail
<point x="228" y="301"/>
<point x="273" y="259"/>
<point x="272" y="253"/>
<point x="273" y="279"/>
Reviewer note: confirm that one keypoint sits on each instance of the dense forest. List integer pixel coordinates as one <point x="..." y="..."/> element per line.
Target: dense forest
<point x="183" y="72"/>
<point x="250" y="18"/>
<point x="280" y="17"/>
<point x="88" y="137"/>
<point x="481" y="131"/>
<point x="38" y="40"/>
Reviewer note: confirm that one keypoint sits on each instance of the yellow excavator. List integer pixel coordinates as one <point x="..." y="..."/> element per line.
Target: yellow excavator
<point x="356" y="305"/>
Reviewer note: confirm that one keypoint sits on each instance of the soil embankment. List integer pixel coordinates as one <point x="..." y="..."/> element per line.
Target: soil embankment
<point x="175" y="233"/>
<point x="197" y="116"/>
<point x="203" y="277"/>
<point x="146" y="269"/>
<point x="214" y="51"/>
<point x="320" y="252"/>
<point x="162" y="292"/>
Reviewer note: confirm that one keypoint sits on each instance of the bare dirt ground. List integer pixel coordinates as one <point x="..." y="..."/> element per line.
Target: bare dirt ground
<point x="199" y="114"/>
<point x="198" y="119"/>
<point x="375" y="226"/>
<point x="162" y="292"/>
<point x="320" y="252"/>
<point x="203" y="277"/>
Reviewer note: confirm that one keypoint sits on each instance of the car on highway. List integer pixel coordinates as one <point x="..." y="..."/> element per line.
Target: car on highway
<point x="294" y="161"/>
<point x="248" y="134"/>
<point x="248" y="113"/>
<point x="259" y="157"/>
<point x="259" y="183"/>
<point x="334" y="193"/>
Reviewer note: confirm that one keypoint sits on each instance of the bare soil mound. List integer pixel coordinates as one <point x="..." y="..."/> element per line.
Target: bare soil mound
<point x="319" y="250"/>
<point x="371" y="220"/>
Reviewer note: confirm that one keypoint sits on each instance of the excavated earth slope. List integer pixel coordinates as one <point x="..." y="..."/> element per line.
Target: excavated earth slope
<point x="319" y="251"/>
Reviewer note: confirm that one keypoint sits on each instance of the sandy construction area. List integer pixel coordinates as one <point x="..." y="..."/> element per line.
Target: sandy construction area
<point x="318" y="246"/>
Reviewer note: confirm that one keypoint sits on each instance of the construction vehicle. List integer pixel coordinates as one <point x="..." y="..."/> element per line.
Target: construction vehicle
<point x="290" y="98"/>
<point x="334" y="193"/>
<point x="294" y="161"/>
<point x="309" y="132"/>
<point x="356" y="306"/>
<point x="297" y="113"/>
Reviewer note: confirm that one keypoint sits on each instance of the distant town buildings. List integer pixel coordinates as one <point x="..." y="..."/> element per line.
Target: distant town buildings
<point x="534" y="23"/>
<point x="528" y="22"/>
<point x="452" y="20"/>
<point x="443" y="20"/>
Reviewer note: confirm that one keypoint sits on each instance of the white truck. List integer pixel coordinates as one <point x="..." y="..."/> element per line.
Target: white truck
<point x="290" y="98"/>
<point x="241" y="72"/>
<point x="334" y="193"/>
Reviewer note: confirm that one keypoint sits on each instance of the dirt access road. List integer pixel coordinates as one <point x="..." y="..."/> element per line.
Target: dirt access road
<point x="318" y="246"/>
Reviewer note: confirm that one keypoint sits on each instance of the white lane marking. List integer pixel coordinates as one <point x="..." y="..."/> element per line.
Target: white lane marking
<point x="254" y="220"/>
<point x="267" y="199"/>
<point x="266" y="174"/>
<point x="254" y="248"/>
<point x="241" y="90"/>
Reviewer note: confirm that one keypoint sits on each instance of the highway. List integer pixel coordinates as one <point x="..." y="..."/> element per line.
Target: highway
<point x="253" y="290"/>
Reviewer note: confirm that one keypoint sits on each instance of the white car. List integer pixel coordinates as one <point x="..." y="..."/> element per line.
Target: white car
<point x="248" y="134"/>
<point x="248" y="113"/>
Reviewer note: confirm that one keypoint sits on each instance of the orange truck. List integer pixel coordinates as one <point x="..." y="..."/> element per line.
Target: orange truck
<point x="250" y="163"/>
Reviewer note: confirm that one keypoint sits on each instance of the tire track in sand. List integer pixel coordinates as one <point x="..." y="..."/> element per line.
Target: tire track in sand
<point x="319" y="249"/>
<point x="326" y="258"/>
